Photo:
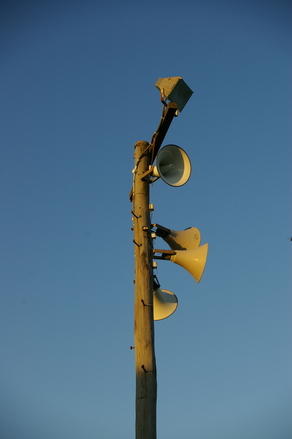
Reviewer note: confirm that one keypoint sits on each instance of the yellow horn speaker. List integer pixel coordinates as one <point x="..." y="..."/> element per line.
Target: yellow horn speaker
<point x="184" y="240"/>
<point x="193" y="260"/>
<point x="164" y="304"/>
<point x="172" y="165"/>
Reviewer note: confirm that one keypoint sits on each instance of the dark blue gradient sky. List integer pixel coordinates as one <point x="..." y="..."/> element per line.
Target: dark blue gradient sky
<point x="77" y="91"/>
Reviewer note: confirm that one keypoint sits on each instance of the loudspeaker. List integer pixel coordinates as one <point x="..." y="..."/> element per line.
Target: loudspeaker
<point x="193" y="260"/>
<point x="164" y="304"/>
<point x="172" y="165"/>
<point x="184" y="240"/>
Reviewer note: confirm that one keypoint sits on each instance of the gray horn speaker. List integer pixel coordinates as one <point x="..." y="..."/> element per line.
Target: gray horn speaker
<point x="172" y="165"/>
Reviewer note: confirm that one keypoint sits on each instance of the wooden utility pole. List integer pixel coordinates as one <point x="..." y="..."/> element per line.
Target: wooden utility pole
<point x="146" y="384"/>
<point x="176" y="91"/>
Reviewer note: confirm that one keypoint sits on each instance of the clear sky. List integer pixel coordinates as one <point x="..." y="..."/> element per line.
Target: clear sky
<point x="77" y="91"/>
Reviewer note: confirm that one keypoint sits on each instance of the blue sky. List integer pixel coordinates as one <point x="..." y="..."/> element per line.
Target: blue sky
<point x="77" y="92"/>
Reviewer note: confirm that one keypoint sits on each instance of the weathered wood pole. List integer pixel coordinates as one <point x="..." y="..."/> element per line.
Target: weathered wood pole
<point x="146" y="384"/>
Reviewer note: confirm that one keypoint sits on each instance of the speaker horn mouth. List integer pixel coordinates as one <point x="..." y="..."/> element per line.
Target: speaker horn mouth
<point x="193" y="260"/>
<point x="164" y="304"/>
<point x="173" y="165"/>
